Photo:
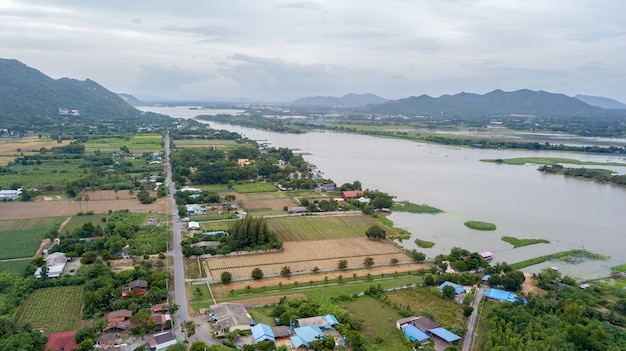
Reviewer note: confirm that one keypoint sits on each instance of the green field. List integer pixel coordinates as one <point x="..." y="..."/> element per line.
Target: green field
<point x="551" y="161"/>
<point x="78" y="221"/>
<point x="414" y="208"/>
<point x="21" y="238"/>
<point x="478" y="225"/>
<point x="267" y="196"/>
<point x="379" y="324"/>
<point x="256" y="187"/>
<point x="569" y="256"/>
<point x="14" y="266"/>
<point x="516" y="242"/>
<point x="136" y="144"/>
<point x="53" y="309"/>
<point x="445" y="312"/>
<point x="49" y="174"/>
<point x="318" y="228"/>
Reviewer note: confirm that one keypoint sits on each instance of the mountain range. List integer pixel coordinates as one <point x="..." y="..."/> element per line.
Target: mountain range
<point x="348" y="100"/>
<point x="29" y="97"/>
<point x="603" y="102"/>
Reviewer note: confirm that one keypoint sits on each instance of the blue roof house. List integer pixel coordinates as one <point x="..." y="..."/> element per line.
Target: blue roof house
<point x="304" y="335"/>
<point x="414" y="334"/>
<point x="500" y="295"/>
<point x="262" y="332"/>
<point x="445" y="335"/>
<point x="458" y="289"/>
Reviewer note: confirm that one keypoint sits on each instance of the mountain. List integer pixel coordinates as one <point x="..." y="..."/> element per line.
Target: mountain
<point x="29" y="97"/>
<point x="131" y="100"/>
<point x="602" y="102"/>
<point x="495" y="103"/>
<point x="348" y="100"/>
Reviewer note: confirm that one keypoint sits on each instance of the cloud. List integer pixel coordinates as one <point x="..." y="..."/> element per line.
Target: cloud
<point x="166" y="78"/>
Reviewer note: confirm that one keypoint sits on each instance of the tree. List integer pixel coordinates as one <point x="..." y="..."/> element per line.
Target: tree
<point x="177" y="347"/>
<point x="429" y="280"/>
<point x="342" y="265"/>
<point x="375" y="232"/>
<point x="198" y="346"/>
<point x="226" y="277"/>
<point x="448" y="292"/>
<point x="418" y="256"/>
<point x="257" y="273"/>
<point x="467" y="311"/>
<point x="368" y="262"/>
<point x="285" y="271"/>
<point x="189" y="327"/>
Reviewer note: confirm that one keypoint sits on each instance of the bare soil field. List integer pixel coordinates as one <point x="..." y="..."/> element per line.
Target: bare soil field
<point x="100" y="202"/>
<point x="529" y="286"/>
<point x="223" y="290"/>
<point x="303" y="256"/>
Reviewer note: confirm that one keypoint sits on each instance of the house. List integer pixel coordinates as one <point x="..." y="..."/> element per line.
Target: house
<point x="304" y="335"/>
<point x="55" y="264"/>
<point x="262" y="332"/>
<point x="231" y="316"/>
<point x="229" y="204"/>
<point x="424" y="324"/>
<point x="500" y="295"/>
<point x="161" y="341"/>
<point x="363" y="200"/>
<point x="326" y="322"/>
<point x="329" y="187"/>
<point x="297" y="209"/>
<point x="118" y="320"/>
<point x="193" y="225"/>
<point x="10" y="194"/>
<point x="488" y="255"/>
<point x="445" y="335"/>
<point x="458" y="289"/>
<point x="161" y="319"/>
<point x="190" y="189"/>
<point x="136" y="287"/>
<point x="351" y="194"/>
<point x="414" y="334"/>
<point x="107" y="341"/>
<point x="193" y="209"/>
<point x="63" y="341"/>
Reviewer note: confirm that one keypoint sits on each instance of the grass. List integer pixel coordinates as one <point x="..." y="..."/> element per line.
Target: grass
<point x="316" y="228"/>
<point x="191" y="268"/>
<point x="620" y="268"/>
<point x="516" y="242"/>
<point x="569" y="256"/>
<point x="478" y="225"/>
<point x="256" y="187"/>
<point x="314" y="287"/>
<point x="379" y="324"/>
<point x="53" y="309"/>
<point x="21" y="238"/>
<point x="78" y="221"/>
<point x="414" y="208"/>
<point x="551" y="161"/>
<point x="136" y="143"/>
<point x="445" y="312"/>
<point x="14" y="266"/>
<point x="218" y="188"/>
<point x="424" y="244"/>
<point x="197" y="143"/>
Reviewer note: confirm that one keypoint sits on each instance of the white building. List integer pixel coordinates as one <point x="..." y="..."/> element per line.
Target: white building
<point x="10" y="194"/>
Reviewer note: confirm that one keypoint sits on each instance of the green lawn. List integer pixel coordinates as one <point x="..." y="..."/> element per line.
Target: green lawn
<point x="53" y="309"/>
<point x="317" y="228"/>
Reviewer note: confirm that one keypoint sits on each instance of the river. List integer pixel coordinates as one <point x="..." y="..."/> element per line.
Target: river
<point x="520" y="200"/>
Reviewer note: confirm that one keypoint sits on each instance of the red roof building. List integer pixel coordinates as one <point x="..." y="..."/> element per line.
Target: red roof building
<point x="63" y="341"/>
<point x="351" y="194"/>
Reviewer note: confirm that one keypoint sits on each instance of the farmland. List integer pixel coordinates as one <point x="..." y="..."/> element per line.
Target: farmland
<point x="257" y="187"/>
<point x="78" y="221"/>
<point x="21" y="237"/>
<point x="53" y="309"/>
<point x="304" y="256"/>
<point x="317" y="228"/>
<point x="136" y="144"/>
<point x="12" y="148"/>
<point x="199" y="143"/>
<point x="15" y="266"/>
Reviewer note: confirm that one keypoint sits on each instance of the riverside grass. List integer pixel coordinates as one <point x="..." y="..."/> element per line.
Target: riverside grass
<point x="516" y="242"/>
<point x="569" y="256"/>
<point x="478" y="225"/>
<point x="550" y="161"/>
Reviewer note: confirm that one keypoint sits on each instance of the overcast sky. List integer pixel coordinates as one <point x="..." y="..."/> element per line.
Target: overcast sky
<point x="266" y="50"/>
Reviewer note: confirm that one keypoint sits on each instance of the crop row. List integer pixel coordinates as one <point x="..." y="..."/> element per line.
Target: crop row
<point x="53" y="309"/>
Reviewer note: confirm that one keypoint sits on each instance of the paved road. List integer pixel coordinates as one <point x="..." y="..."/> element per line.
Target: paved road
<point x="469" y="339"/>
<point x="175" y="249"/>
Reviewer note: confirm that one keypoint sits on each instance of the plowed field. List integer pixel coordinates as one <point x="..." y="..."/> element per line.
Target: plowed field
<point x="304" y="256"/>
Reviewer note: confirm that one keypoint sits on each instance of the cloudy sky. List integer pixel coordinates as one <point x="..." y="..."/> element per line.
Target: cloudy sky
<point x="280" y="50"/>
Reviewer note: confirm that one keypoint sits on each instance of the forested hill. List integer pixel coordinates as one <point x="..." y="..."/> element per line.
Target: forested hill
<point x="495" y="103"/>
<point x="30" y="98"/>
